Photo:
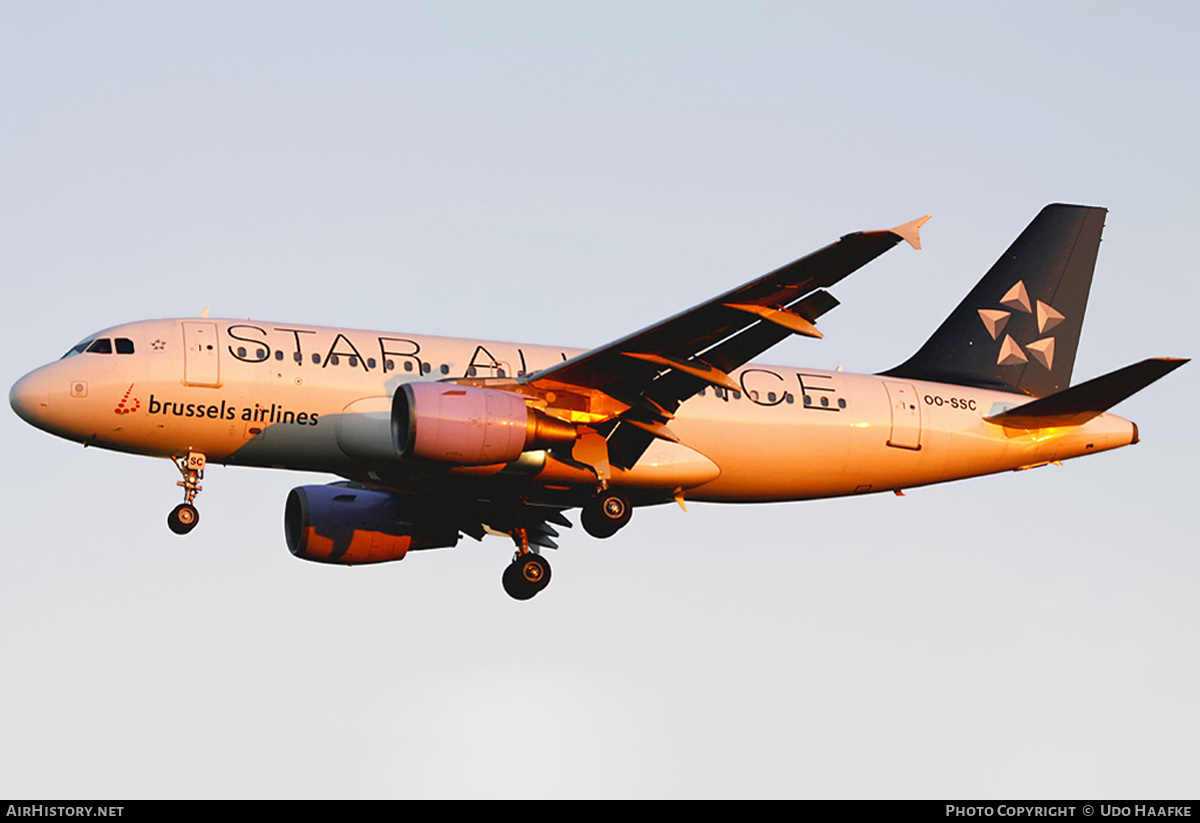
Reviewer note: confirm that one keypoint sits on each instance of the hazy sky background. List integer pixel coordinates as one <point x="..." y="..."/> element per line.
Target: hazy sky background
<point x="566" y="173"/>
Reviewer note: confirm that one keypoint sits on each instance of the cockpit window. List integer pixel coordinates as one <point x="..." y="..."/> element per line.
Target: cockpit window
<point x="77" y="348"/>
<point x="101" y="345"/>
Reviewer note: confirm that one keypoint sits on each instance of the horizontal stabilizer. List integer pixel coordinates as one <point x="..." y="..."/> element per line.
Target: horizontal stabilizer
<point x="1079" y="404"/>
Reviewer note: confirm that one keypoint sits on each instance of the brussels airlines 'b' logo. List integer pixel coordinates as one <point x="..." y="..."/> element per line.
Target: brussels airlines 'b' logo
<point x="127" y="405"/>
<point x="1011" y="352"/>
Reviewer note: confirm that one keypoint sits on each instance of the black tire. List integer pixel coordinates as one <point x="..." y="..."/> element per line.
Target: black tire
<point x="515" y="584"/>
<point x="183" y="518"/>
<point x="606" y="514"/>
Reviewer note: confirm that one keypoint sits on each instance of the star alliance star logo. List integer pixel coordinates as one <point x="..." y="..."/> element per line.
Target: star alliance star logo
<point x="158" y="345"/>
<point x="1011" y="353"/>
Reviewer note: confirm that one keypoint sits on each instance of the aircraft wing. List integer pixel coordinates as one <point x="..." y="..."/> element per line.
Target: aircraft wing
<point x="654" y="370"/>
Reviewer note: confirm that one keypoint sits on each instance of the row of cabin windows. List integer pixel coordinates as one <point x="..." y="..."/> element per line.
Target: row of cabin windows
<point x="772" y="397"/>
<point x="123" y="345"/>
<point x="352" y="361"/>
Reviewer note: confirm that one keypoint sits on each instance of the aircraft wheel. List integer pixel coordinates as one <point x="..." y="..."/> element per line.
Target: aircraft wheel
<point x="526" y="576"/>
<point x="535" y="569"/>
<point x="606" y="513"/>
<point x="183" y="518"/>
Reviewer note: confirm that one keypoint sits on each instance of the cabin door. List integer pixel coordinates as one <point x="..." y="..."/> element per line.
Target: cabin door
<point x="200" y="358"/>
<point x="906" y="416"/>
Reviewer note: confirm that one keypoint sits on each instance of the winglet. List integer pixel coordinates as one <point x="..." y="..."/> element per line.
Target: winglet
<point x="911" y="231"/>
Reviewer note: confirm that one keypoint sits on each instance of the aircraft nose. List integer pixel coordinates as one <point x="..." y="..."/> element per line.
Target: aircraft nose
<point x="30" y="397"/>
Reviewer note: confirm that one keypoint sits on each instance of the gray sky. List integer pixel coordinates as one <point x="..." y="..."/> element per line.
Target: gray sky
<point x="566" y="173"/>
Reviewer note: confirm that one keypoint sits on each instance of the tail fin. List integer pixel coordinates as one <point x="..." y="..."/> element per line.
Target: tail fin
<point x="1018" y="329"/>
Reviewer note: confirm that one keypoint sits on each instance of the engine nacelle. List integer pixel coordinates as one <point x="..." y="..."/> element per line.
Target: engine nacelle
<point x="351" y="525"/>
<point x="469" y="425"/>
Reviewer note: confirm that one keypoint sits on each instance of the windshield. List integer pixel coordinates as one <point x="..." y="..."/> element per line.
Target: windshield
<point x="101" y="345"/>
<point x="78" y="347"/>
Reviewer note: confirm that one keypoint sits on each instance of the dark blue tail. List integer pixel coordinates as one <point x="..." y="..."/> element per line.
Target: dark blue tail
<point x="1018" y="329"/>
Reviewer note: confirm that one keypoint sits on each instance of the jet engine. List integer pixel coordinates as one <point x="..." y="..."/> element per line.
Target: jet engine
<point x="471" y="426"/>
<point x="351" y="524"/>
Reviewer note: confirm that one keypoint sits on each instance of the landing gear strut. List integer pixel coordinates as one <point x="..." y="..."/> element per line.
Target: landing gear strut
<point x="528" y="573"/>
<point x="184" y="517"/>
<point x="606" y="513"/>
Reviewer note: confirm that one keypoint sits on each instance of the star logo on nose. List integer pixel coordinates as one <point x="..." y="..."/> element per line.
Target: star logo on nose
<point x="158" y="345"/>
<point x="1011" y="352"/>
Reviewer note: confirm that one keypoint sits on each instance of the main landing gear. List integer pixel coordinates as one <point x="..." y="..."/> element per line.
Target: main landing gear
<point x="184" y="517"/>
<point x="528" y="573"/>
<point x="603" y="516"/>
<point x="606" y="513"/>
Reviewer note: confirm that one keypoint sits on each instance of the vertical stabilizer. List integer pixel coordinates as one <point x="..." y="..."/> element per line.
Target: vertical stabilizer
<point x="1018" y="329"/>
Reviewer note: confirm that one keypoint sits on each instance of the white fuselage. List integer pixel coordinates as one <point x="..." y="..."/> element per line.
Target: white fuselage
<point x="312" y="398"/>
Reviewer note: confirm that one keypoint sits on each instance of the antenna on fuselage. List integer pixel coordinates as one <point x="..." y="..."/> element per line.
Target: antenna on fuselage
<point x="205" y="312"/>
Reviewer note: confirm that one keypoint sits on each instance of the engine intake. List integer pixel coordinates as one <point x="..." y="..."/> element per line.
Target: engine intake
<point x="350" y="525"/>
<point x="469" y="425"/>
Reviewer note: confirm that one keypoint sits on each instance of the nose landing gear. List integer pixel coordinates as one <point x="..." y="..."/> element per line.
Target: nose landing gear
<point x="184" y="517"/>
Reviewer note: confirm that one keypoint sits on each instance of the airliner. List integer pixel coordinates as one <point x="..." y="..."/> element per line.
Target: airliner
<point x="436" y="437"/>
